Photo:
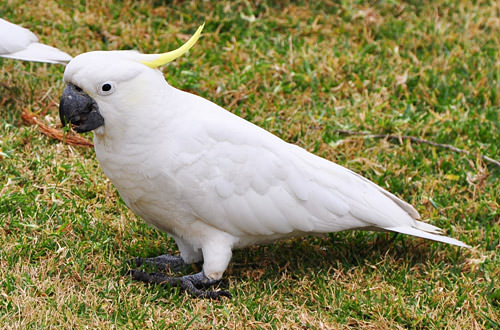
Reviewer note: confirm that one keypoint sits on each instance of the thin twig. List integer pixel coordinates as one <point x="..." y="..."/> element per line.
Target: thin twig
<point x="54" y="133"/>
<point x="417" y="140"/>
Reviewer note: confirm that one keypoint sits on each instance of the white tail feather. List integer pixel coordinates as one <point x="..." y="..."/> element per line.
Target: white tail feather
<point x="423" y="234"/>
<point x="428" y="227"/>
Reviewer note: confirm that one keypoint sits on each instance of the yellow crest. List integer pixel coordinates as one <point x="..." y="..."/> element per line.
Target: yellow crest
<point x="172" y="55"/>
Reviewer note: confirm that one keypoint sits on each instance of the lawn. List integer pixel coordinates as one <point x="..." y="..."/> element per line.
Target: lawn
<point x="304" y="71"/>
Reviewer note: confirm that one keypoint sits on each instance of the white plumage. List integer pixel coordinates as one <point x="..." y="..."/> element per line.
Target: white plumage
<point x="19" y="43"/>
<point x="214" y="181"/>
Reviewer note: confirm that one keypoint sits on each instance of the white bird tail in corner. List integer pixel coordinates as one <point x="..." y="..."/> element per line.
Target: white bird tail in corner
<point x="19" y="43"/>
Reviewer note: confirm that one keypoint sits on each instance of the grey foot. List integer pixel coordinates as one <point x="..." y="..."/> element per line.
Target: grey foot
<point x="163" y="262"/>
<point x="189" y="283"/>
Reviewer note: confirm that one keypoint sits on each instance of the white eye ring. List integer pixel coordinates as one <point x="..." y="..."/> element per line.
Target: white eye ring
<point x="106" y="88"/>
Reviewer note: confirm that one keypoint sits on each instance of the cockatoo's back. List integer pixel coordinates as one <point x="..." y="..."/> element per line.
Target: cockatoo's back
<point x="245" y="181"/>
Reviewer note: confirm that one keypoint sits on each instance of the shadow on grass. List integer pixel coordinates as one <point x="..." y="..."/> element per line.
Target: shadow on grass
<point x="347" y="250"/>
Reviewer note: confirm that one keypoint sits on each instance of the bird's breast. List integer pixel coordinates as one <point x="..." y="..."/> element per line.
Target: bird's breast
<point x="146" y="184"/>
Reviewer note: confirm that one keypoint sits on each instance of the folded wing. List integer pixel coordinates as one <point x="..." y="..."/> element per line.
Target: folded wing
<point x="249" y="182"/>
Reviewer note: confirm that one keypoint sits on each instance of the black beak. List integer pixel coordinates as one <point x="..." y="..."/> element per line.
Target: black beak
<point x="79" y="109"/>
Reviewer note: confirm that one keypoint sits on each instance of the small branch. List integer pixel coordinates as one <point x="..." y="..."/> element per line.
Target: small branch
<point x="417" y="140"/>
<point x="53" y="133"/>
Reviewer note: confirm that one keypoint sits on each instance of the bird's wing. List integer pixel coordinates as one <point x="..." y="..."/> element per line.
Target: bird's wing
<point x="19" y="43"/>
<point x="378" y="207"/>
<point x="242" y="179"/>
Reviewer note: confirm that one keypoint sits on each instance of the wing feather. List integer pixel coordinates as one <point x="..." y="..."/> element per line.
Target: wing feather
<point x="245" y="181"/>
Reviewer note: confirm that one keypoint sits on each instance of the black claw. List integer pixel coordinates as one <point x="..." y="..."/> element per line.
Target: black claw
<point x="189" y="283"/>
<point x="191" y="287"/>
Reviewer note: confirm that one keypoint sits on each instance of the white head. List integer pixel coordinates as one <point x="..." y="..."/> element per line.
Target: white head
<point x="102" y="85"/>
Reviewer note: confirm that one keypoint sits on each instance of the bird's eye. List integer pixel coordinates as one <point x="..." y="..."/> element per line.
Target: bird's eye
<point x="106" y="88"/>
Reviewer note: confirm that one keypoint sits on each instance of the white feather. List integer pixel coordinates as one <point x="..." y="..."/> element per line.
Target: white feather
<point x="423" y="234"/>
<point x="19" y="43"/>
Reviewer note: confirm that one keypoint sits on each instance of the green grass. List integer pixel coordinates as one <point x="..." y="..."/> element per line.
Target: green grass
<point x="302" y="71"/>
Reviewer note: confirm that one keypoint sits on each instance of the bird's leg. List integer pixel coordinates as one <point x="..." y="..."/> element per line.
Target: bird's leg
<point x="190" y="283"/>
<point x="163" y="262"/>
<point x="216" y="255"/>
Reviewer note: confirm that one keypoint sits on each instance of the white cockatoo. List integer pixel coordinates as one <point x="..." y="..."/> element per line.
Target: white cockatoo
<point x="212" y="180"/>
<point x="19" y="43"/>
